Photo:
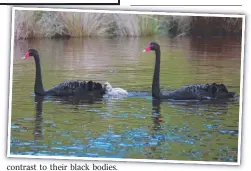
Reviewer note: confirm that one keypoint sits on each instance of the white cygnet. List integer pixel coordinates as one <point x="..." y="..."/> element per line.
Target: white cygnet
<point x="115" y="92"/>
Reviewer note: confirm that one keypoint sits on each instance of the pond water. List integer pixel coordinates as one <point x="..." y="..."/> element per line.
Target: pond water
<point x="135" y="127"/>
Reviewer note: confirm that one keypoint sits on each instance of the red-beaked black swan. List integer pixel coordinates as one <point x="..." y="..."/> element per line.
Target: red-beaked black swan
<point x="68" y="88"/>
<point x="189" y="92"/>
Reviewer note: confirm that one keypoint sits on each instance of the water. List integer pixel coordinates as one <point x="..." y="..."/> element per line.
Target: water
<point x="134" y="127"/>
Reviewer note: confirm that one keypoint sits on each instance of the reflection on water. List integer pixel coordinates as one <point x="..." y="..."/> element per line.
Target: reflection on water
<point x="134" y="127"/>
<point x="38" y="118"/>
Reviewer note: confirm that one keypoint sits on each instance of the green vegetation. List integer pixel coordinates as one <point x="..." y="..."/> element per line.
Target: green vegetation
<point x="50" y="24"/>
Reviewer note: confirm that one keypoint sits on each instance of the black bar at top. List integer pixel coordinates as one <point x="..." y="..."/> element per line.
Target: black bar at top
<point x="118" y="3"/>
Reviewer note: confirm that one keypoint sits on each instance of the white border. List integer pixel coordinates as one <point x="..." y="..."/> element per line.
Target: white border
<point x="130" y="160"/>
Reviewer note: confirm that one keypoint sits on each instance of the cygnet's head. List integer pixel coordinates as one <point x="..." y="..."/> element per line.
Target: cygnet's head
<point x="108" y="86"/>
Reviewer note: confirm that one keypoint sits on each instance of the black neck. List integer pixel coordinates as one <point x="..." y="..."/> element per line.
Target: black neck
<point x="155" y="84"/>
<point x="38" y="88"/>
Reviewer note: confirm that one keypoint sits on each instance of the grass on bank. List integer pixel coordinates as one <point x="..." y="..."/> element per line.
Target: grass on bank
<point x="49" y="24"/>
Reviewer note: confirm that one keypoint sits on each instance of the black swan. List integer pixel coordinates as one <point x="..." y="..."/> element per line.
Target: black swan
<point x="189" y="92"/>
<point x="68" y="88"/>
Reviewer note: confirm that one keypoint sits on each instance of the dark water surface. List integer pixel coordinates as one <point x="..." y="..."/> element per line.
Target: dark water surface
<point x="134" y="127"/>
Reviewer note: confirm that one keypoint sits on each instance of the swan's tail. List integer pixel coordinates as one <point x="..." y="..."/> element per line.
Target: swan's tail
<point x="90" y="86"/>
<point x="221" y="91"/>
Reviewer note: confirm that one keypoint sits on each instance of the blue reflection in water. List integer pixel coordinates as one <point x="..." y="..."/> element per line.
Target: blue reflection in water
<point x="111" y="144"/>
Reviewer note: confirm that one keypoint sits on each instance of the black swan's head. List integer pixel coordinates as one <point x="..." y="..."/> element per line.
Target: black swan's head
<point x="30" y="52"/>
<point x="152" y="47"/>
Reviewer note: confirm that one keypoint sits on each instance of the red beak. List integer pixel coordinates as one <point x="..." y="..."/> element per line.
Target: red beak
<point x="147" y="49"/>
<point x="27" y="55"/>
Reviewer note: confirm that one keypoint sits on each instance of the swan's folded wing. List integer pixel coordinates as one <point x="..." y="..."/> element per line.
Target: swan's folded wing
<point x="199" y="92"/>
<point x="70" y="87"/>
<point x="184" y="93"/>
